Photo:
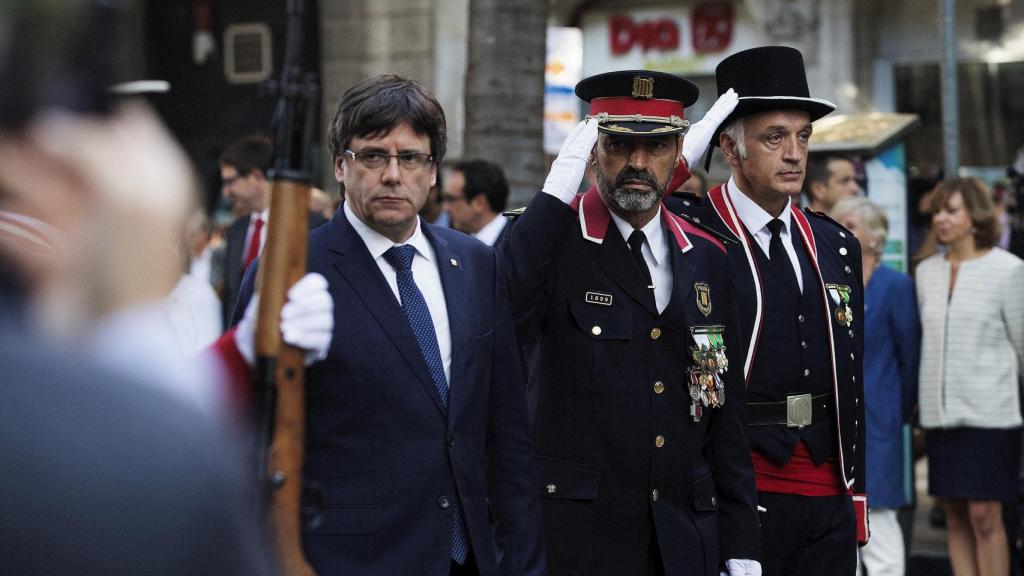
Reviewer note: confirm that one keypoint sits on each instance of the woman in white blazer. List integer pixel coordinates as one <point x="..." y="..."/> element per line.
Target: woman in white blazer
<point x="971" y="298"/>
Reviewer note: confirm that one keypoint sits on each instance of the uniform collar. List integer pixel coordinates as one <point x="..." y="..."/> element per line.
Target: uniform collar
<point x="595" y="218"/>
<point x="753" y="216"/>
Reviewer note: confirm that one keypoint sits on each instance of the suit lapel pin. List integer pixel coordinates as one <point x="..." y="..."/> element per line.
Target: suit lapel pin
<point x="454" y="262"/>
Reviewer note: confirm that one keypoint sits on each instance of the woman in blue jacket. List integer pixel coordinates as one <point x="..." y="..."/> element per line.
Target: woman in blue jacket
<point x="892" y="346"/>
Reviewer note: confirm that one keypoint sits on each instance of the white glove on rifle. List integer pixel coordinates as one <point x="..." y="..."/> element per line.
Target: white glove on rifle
<point x="699" y="135"/>
<point x="568" y="168"/>
<point x="307" y="320"/>
<point x="742" y="568"/>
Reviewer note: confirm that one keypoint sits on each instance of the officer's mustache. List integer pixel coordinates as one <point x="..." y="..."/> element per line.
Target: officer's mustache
<point x="631" y="174"/>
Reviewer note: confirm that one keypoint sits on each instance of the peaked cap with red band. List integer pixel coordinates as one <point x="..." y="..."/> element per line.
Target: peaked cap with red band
<point x="638" y="102"/>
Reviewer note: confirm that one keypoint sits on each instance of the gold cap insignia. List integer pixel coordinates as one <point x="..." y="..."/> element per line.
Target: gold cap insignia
<point x="643" y="87"/>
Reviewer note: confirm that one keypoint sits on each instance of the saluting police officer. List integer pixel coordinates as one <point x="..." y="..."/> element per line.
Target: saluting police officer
<point x="627" y="315"/>
<point x="798" y="285"/>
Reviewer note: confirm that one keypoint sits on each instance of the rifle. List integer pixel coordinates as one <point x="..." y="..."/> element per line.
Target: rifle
<point x="280" y="392"/>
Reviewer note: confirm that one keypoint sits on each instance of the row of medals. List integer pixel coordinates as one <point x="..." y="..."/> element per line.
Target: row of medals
<point x="706" y="387"/>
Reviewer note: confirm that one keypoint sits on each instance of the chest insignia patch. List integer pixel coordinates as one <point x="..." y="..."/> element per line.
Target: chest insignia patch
<point x="703" y="298"/>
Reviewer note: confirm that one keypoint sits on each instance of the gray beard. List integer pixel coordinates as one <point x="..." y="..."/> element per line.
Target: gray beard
<point x="631" y="200"/>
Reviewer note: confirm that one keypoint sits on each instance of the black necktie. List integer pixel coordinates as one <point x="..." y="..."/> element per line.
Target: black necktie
<point x="636" y="243"/>
<point x="780" y="264"/>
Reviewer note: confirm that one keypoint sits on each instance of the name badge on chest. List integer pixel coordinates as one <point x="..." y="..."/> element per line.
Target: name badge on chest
<point x="599" y="298"/>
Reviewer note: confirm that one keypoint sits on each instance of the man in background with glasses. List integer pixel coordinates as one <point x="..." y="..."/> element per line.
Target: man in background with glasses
<point x="417" y="430"/>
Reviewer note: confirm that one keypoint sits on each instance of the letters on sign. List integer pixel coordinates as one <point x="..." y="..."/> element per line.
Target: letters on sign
<point x="662" y="34"/>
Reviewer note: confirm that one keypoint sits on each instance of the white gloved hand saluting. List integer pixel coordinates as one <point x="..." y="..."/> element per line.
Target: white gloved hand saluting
<point x="307" y="320"/>
<point x="742" y="568"/>
<point x="699" y="135"/>
<point x="568" y="168"/>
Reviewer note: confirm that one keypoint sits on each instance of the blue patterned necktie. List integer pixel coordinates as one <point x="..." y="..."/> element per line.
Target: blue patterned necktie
<point x="418" y="315"/>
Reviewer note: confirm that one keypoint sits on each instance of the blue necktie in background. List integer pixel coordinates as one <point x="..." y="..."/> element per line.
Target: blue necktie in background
<point x="418" y="315"/>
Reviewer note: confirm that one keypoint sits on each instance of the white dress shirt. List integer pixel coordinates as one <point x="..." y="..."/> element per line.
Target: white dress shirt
<point x="424" y="272"/>
<point x="655" y="251"/>
<point x="756" y="220"/>
<point x="491" y="231"/>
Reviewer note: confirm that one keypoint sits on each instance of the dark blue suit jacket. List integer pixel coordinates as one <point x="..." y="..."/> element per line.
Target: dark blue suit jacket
<point x="387" y="456"/>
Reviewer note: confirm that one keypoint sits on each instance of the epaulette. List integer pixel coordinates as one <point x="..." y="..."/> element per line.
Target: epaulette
<point x="697" y="224"/>
<point x="827" y="218"/>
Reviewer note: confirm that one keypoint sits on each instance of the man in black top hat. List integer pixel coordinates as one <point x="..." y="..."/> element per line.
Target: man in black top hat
<point x="798" y="282"/>
<point x="627" y="316"/>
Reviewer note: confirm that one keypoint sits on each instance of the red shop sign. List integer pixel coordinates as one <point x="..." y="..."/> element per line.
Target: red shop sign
<point x="660" y="34"/>
<point x="712" y="24"/>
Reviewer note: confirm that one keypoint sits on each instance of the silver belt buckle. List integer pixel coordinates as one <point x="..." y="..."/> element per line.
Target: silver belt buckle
<point x="798" y="410"/>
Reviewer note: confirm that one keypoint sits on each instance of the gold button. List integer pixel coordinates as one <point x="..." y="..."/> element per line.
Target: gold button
<point x="654" y="495"/>
<point x="659" y="440"/>
<point x="596" y="330"/>
<point x="659" y="387"/>
<point x="655" y="333"/>
<point x="551" y="488"/>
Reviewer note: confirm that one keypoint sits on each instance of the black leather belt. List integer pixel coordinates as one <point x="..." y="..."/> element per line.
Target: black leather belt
<point x="796" y="411"/>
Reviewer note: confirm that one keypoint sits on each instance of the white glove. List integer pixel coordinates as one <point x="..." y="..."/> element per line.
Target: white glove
<point x="568" y="168"/>
<point x="307" y="317"/>
<point x="699" y="135"/>
<point x="307" y="320"/>
<point x="742" y="568"/>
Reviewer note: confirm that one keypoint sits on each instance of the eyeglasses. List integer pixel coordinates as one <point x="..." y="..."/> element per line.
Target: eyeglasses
<point x="227" y="182"/>
<point x="375" y="160"/>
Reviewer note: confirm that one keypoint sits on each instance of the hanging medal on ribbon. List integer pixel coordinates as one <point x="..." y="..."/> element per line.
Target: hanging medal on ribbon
<point x="840" y="294"/>
<point x="709" y="361"/>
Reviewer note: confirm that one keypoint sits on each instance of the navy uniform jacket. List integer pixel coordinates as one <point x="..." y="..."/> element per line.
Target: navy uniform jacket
<point x="387" y="456"/>
<point x="609" y="378"/>
<point x="835" y="257"/>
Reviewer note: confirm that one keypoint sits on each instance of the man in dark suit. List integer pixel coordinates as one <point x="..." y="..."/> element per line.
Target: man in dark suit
<point x="627" y="316"/>
<point x="417" y="431"/>
<point x="798" y="285"/>
<point x="245" y="180"/>
<point x="475" y="194"/>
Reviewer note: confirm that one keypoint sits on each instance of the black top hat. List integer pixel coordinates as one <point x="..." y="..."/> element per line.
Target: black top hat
<point x="768" y="78"/>
<point x="638" y="102"/>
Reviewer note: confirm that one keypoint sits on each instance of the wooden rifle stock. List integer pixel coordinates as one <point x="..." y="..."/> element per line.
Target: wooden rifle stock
<point x="281" y="395"/>
<point x="282" y="264"/>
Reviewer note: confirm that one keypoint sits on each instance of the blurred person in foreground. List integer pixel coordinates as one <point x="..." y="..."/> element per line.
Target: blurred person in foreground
<point x="102" y="475"/>
<point x="972" y="319"/>
<point x="475" y="194"/>
<point x="892" y="349"/>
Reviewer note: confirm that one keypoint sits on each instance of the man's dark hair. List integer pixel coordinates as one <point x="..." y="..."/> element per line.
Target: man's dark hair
<point x="375" y="106"/>
<point x="483" y="177"/>
<point x="256" y="151"/>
